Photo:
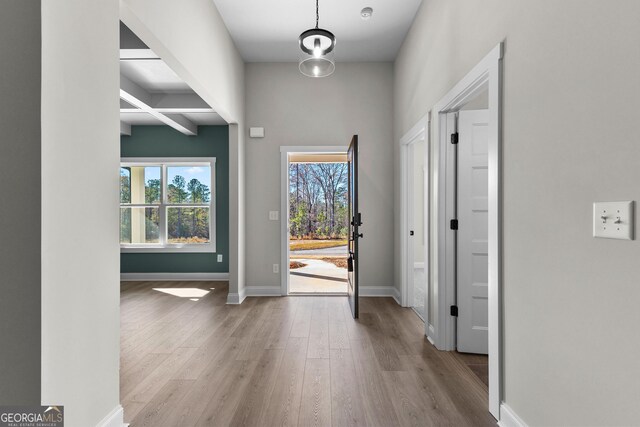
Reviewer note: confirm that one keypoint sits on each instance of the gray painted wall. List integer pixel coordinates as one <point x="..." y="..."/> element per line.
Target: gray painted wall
<point x="20" y="271"/>
<point x="296" y="110"/>
<point x="80" y="248"/>
<point x="571" y="101"/>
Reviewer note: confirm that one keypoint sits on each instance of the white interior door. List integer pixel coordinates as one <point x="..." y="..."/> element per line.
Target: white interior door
<point x="417" y="228"/>
<point x="472" y="235"/>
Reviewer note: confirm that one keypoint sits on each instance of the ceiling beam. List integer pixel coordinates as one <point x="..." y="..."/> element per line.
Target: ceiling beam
<point x="125" y="129"/>
<point x="170" y="110"/>
<point x="138" y="54"/>
<point x="140" y="98"/>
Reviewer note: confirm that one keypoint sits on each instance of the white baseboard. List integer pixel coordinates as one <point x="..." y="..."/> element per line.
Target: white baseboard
<point x="115" y="418"/>
<point x="380" y="291"/>
<point x="263" y="291"/>
<point x="508" y="418"/>
<point x="180" y="277"/>
<point x="276" y="291"/>
<point x="431" y="333"/>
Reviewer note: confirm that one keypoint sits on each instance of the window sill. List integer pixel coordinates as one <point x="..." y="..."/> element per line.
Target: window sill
<point x="210" y="248"/>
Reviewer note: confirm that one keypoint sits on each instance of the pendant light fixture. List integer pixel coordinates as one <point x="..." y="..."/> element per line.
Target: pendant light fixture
<point x="317" y="51"/>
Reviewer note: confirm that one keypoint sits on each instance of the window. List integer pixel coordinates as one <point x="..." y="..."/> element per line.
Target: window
<point x="167" y="205"/>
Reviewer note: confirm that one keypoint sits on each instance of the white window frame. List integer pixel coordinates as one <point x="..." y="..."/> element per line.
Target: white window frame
<point x="163" y="246"/>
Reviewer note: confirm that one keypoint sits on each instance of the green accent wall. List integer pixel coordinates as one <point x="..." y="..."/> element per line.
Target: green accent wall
<point x="163" y="141"/>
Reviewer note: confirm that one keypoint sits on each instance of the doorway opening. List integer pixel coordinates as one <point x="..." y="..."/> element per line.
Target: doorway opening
<point x="414" y="158"/>
<point x="465" y="279"/>
<point x="315" y="229"/>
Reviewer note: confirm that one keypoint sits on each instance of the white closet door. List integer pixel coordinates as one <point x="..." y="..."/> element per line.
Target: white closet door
<point x="472" y="235"/>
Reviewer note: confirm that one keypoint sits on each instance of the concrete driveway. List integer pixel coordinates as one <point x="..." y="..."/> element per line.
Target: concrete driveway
<point x="318" y="276"/>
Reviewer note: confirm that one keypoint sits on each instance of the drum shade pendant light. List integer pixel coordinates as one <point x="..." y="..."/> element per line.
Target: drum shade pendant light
<point x="317" y="51"/>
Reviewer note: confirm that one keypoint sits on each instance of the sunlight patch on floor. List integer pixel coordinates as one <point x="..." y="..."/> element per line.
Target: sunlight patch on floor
<point x="183" y="292"/>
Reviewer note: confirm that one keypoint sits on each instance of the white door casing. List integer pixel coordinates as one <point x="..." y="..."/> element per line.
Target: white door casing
<point x="484" y="76"/>
<point x="285" y="152"/>
<point x="472" y="235"/>
<point x="418" y="192"/>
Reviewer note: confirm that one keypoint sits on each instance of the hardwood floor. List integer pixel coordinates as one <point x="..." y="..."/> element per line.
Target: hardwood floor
<point x="189" y="359"/>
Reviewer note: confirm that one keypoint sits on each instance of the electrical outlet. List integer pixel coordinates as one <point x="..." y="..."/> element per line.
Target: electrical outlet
<point x="273" y="215"/>
<point x="219" y="257"/>
<point x="276" y="268"/>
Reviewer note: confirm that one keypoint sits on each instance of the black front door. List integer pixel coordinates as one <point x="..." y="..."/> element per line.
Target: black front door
<point x="355" y="221"/>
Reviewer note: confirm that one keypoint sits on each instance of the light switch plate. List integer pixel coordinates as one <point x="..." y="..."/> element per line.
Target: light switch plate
<point x="219" y="257"/>
<point x="273" y="215"/>
<point x="613" y="220"/>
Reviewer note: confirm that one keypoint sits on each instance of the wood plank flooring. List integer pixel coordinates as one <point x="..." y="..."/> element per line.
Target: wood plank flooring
<point x="191" y="360"/>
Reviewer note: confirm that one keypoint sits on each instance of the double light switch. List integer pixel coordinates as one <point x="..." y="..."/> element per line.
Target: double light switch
<point x="613" y="220"/>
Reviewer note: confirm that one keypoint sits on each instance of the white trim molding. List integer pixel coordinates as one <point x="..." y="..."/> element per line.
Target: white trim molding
<point x="262" y="291"/>
<point x="285" y="151"/>
<point x="380" y="291"/>
<point x="418" y="133"/>
<point x="163" y="205"/>
<point x="115" y="418"/>
<point x="485" y="76"/>
<point x="508" y="418"/>
<point x="169" y="277"/>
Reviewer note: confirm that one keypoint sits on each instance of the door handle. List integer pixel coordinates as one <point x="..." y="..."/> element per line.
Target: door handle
<point x="350" y="263"/>
<point x="411" y="233"/>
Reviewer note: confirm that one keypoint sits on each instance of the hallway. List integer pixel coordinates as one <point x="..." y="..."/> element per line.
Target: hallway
<point x="188" y="359"/>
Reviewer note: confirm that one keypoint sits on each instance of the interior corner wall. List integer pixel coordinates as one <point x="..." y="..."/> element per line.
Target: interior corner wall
<point x="20" y="50"/>
<point x="300" y="111"/>
<point x="237" y="211"/>
<point x="192" y="39"/>
<point x="571" y="98"/>
<point x="164" y="141"/>
<point x="80" y="221"/>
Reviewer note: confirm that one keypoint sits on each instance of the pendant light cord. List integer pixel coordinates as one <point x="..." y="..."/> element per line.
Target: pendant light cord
<point x="317" y="14"/>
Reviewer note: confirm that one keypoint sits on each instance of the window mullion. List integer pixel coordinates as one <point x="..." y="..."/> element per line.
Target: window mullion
<point x="163" y="207"/>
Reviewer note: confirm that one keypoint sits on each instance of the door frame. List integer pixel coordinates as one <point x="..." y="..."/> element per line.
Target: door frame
<point x="285" y="152"/>
<point x="486" y="75"/>
<point x="418" y="133"/>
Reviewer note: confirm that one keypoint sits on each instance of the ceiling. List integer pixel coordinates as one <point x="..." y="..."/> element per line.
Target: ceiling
<point x="267" y="31"/>
<point x="151" y="93"/>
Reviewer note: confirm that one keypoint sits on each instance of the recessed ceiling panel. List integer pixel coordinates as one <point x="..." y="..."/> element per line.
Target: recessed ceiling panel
<point x="153" y="75"/>
<point x="267" y="31"/>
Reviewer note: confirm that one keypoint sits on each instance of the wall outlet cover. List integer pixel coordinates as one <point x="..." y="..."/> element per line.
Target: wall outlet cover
<point x="276" y="268"/>
<point x="273" y="215"/>
<point x="613" y="220"/>
<point x="219" y="257"/>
